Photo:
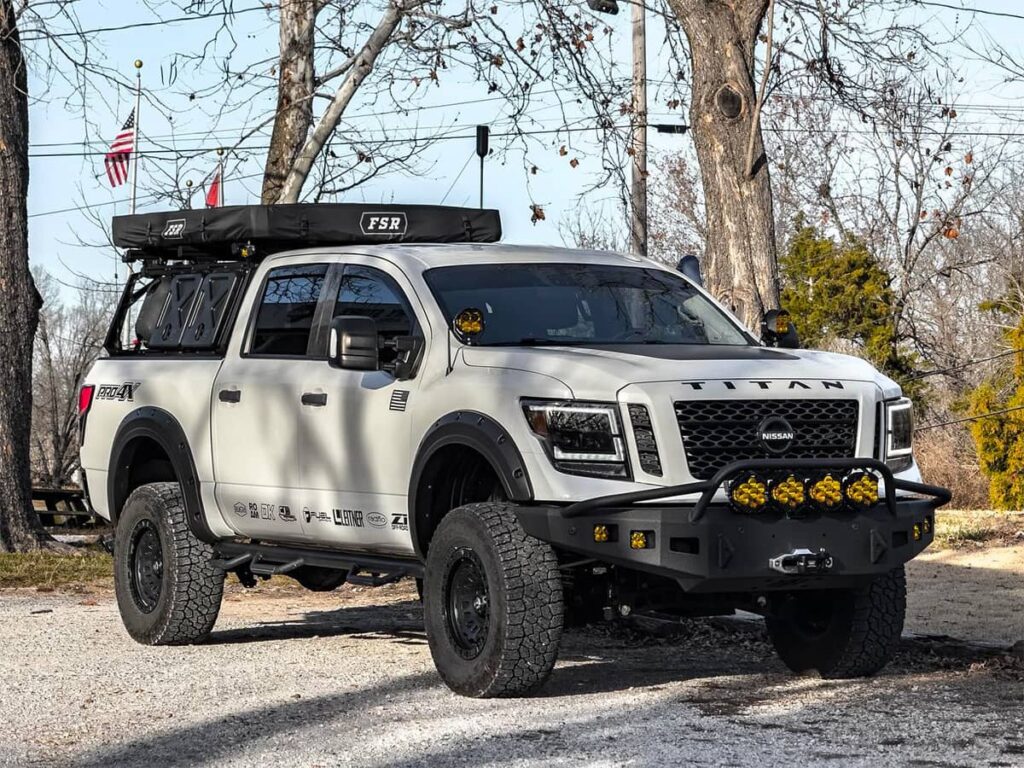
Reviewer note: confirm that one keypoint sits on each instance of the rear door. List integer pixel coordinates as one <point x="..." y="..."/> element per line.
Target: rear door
<point x="256" y="404"/>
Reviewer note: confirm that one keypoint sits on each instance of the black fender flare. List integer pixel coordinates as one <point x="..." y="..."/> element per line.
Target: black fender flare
<point x="162" y="428"/>
<point x="485" y="436"/>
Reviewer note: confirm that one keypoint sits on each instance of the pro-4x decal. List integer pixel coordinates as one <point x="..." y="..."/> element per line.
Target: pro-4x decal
<point x="121" y="392"/>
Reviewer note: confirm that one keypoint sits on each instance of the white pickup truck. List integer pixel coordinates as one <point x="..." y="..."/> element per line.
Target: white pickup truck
<point x="537" y="435"/>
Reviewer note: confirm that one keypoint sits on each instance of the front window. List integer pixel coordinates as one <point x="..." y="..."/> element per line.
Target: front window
<point x="581" y="304"/>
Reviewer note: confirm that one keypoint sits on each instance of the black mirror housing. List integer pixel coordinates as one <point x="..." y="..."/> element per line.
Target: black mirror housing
<point x="354" y="344"/>
<point x="777" y="330"/>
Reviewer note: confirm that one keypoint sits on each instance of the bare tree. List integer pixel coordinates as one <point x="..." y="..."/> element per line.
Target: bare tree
<point x="68" y="339"/>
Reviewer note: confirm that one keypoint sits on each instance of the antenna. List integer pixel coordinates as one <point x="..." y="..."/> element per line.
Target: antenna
<point x="482" y="136"/>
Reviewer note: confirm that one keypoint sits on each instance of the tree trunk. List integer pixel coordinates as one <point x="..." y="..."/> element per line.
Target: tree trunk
<point x="741" y="264"/>
<point x="19" y="300"/>
<point x="294" y="113"/>
<point x="362" y="65"/>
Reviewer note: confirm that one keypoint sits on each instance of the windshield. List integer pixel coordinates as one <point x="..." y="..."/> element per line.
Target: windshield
<point x="581" y="304"/>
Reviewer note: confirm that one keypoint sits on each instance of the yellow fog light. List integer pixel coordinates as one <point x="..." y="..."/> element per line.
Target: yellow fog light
<point x="601" y="534"/>
<point x="641" y="539"/>
<point x="750" y="495"/>
<point x="788" y="493"/>
<point x="917" y="531"/>
<point x="926" y="526"/>
<point x="861" y="489"/>
<point x="827" y="492"/>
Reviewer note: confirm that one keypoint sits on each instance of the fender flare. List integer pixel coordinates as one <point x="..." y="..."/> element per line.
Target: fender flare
<point x="485" y="436"/>
<point x="162" y="428"/>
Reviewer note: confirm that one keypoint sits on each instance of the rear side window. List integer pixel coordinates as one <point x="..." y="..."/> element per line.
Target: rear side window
<point x="284" y="319"/>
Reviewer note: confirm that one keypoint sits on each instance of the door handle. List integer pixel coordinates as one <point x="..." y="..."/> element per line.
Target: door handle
<point x="314" y="398"/>
<point x="230" y="395"/>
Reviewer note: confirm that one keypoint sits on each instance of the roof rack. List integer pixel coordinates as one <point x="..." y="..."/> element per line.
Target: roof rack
<point x="251" y="232"/>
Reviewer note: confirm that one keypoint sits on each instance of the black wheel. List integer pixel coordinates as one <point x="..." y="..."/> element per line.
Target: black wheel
<point x="319" y="579"/>
<point x="841" y="633"/>
<point x="167" y="591"/>
<point x="492" y="603"/>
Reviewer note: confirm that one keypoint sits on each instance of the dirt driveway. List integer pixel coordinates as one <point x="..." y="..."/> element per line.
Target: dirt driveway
<point x="291" y="678"/>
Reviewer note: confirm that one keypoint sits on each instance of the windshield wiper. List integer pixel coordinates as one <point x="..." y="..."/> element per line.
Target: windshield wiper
<point x="531" y="341"/>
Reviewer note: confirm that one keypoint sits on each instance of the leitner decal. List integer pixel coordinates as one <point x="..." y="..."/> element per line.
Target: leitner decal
<point x="121" y="392"/>
<point x="383" y="223"/>
<point x="348" y="517"/>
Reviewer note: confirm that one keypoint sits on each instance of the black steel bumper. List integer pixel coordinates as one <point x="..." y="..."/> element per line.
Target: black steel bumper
<point x="709" y="547"/>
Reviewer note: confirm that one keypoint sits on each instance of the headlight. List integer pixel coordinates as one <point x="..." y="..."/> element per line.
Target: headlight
<point x="580" y="438"/>
<point x="899" y="434"/>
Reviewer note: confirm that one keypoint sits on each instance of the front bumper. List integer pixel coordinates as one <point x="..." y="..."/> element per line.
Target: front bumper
<point x="710" y="548"/>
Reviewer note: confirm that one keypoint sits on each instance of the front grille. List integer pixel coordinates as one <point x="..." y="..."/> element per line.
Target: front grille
<point x="717" y="432"/>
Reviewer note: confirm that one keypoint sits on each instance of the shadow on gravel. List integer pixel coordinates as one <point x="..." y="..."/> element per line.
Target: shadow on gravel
<point x="228" y="736"/>
<point x="402" y="622"/>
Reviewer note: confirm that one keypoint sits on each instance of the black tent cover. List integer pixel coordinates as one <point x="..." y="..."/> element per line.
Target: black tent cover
<point x="218" y="232"/>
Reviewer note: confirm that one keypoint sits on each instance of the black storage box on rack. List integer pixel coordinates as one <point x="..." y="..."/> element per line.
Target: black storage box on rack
<point x="222" y="233"/>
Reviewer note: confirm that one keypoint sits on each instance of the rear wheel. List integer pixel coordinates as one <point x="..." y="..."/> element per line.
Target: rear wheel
<point x="167" y="590"/>
<point x="492" y="603"/>
<point x="842" y="633"/>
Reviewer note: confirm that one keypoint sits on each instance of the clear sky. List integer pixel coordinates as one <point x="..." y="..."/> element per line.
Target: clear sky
<point x="60" y="180"/>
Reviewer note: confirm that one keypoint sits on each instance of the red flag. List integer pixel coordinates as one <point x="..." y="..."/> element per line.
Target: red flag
<point x="215" y="193"/>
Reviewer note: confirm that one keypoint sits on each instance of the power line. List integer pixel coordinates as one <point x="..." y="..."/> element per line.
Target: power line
<point x="144" y="24"/>
<point x="941" y="371"/>
<point x="976" y="11"/>
<point x="979" y="417"/>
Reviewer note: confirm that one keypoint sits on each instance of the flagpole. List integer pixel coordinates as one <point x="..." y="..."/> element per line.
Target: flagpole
<point x="220" y="175"/>
<point x="135" y="138"/>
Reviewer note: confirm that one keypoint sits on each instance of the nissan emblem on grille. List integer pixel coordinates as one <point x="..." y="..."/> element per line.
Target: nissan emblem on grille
<point x="776" y="434"/>
<point x="716" y="432"/>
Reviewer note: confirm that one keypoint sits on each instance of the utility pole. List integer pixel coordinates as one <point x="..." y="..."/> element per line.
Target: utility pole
<point x="638" y="188"/>
<point x="638" y="137"/>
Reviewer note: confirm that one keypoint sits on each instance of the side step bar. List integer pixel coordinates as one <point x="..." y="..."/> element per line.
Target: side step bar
<point x="269" y="560"/>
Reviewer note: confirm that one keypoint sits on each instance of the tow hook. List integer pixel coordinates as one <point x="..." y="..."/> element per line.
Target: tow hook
<point x="802" y="561"/>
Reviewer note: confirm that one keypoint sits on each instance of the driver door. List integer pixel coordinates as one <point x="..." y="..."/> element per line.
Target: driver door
<point x="355" y="458"/>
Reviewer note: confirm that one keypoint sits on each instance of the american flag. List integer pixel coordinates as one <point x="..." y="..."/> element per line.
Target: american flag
<point x="117" y="159"/>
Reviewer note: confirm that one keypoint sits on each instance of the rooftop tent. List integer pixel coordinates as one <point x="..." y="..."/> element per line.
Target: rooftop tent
<point x="220" y="233"/>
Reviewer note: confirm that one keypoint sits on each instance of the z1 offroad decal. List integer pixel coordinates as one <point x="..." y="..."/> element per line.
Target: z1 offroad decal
<point x="124" y="393"/>
<point x="400" y="522"/>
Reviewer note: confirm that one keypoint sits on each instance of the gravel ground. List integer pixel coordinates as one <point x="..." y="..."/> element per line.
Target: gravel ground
<point x="293" y="678"/>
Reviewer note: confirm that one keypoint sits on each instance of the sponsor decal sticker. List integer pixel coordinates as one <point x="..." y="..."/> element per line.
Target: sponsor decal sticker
<point x="379" y="223"/>
<point x="285" y="513"/>
<point x="376" y="519"/>
<point x="120" y="392"/>
<point x="399" y="400"/>
<point x="175" y="229"/>
<point x="352" y="518"/>
<point x="241" y="509"/>
<point x="400" y="522"/>
<point x="309" y="515"/>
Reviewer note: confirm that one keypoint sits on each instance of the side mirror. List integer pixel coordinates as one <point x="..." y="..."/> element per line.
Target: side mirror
<point x="353" y="344"/>
<point x="689" y="266"/>
<point x="777" y="330"/>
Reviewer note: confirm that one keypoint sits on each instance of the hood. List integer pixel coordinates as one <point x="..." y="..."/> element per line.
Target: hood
<point x="600" y="372"/>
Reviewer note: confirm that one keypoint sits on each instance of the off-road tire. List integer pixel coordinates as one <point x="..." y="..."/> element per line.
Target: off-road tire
<point x="319" y="579"/>
<point x="524" y="597"/>
<point x="859" y="637"/>
<point x="190" y="588"/>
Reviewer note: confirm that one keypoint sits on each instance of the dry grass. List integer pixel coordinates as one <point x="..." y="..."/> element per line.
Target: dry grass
<point x="48" y="570"/>
<point x="958" y="529"/>
<point x="947" y="457"/>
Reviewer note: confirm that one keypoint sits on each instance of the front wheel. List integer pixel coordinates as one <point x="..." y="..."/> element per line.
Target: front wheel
<point x="841" y="633"/>
<point x="167" y="590"/>
<point x="492" y="603"/>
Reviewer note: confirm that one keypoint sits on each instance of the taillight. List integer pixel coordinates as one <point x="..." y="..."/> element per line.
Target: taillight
<point x="85" y="399"/>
